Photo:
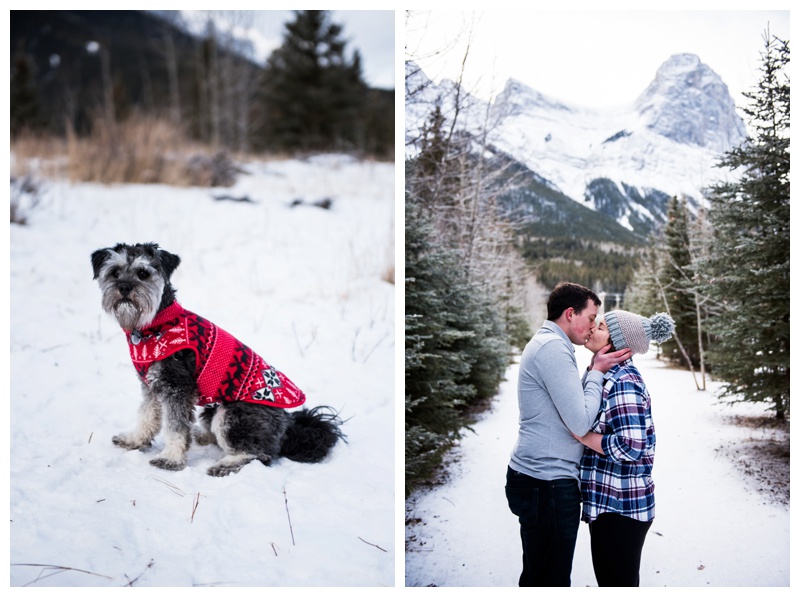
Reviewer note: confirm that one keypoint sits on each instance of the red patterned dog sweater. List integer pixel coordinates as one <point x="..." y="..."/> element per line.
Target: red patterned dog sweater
<point x="226" y="368"/>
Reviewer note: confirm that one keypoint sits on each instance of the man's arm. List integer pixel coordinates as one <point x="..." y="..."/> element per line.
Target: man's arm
<point x="591" y="440"/>
<point x="577" y="404"/>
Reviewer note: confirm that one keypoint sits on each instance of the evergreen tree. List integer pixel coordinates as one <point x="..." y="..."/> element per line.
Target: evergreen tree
<point x="436" y="372"/>
<point x="643" y="295"/>
<point x="26" y="106"/>
<point x="748" y="265"/>
<point x="459" y="320"/>
<point x="677" y="284"/>
<point x="312" y="94"/>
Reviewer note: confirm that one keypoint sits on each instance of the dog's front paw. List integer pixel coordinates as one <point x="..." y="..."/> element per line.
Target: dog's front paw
<point x="123" y="440"/>
<point x="167" y="464"/>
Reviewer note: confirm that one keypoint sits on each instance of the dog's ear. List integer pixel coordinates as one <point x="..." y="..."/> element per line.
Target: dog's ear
<point x="169" y="261"/>
<point x="98" y="259"/>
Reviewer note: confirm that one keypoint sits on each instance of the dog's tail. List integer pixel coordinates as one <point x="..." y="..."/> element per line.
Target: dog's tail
<point x="311" y="434"/>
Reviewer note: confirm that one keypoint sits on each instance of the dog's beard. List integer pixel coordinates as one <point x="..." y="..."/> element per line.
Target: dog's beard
<point x="134" y="311"/>
<point x="129" y="316"/>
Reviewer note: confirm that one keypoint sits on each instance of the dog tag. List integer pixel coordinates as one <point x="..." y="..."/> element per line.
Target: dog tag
<point x="136" y="337"/>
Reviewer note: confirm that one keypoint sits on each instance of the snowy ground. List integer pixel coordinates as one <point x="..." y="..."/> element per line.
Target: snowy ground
<point x="717" y="523"/>
<point x="303" y="286"/>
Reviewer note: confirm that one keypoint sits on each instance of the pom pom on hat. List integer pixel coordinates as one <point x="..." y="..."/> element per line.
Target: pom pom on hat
<point x="661" y="327"/>
<point x="628" y="330"/>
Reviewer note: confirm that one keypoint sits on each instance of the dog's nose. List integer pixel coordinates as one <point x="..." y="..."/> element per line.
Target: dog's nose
<point x="125" y="289"/>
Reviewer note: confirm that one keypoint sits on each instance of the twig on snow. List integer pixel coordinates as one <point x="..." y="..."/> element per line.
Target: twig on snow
<point x="58" y="570"/>
<point x="369" y="354"/>
<point x="297" y="339"/>
<point x="172" y="488"/>
<point x="373" y="545"/>
<point x="301" y="348"/>
<point x="272" y="544"/>
<point x="194" y="506"/>
<point x="286" y="503"/>
<point x="130" y="582"/>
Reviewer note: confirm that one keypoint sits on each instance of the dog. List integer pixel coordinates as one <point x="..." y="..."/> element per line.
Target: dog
<point x="183" y="361"/>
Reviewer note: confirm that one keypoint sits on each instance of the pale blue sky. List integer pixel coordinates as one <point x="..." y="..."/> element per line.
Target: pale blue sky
<point x="596" y="58"/>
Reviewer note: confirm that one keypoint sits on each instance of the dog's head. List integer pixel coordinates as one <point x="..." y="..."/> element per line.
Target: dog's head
<point x="134" y="280"/>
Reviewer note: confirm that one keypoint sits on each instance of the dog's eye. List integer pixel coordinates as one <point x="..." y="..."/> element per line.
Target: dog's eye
<point x="143" y="274"/>
<point x="114" y="273"/>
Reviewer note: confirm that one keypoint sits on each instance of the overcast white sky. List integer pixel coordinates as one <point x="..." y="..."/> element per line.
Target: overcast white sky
<point x="593" y="58"/>
<point x="371" y="32"/>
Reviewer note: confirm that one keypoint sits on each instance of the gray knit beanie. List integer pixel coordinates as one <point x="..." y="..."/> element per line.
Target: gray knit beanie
<point x="628" y="330"/>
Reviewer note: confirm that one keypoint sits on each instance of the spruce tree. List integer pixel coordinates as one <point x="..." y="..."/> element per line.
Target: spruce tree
<point x="458" y="326"/>
<point x="644" y="295"/>
<point x="677" y="285"/>
<point x="312" y="94"/>
<point x="748" y="268"/>
<point x="26" y="105"/>
<point x="436" y="371"/>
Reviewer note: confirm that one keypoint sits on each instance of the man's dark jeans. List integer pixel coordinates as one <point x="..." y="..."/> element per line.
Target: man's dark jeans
<point x="549" y="516"/>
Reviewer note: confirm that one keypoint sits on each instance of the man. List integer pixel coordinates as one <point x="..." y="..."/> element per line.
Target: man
<point x="542" y="482"/>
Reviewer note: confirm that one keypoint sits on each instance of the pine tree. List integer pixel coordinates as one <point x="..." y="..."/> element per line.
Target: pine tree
<point x="312" y="94"/>
<point x="643" y="294"/>
<point x="677" y="284"/>
<point x="459" y="320"/>
<point x="26" y="105"/>
<point x="748" y="268"/>
<point x="436" y="372"/>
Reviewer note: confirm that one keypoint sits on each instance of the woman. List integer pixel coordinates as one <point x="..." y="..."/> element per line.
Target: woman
<point x="617" y="490"/>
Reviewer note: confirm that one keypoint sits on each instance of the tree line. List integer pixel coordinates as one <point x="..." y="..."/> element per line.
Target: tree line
<point x="465" y="305"/>
<point x="309" y="96"/>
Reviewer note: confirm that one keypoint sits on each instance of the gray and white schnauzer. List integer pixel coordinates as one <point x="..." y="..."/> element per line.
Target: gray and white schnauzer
<point x="184" y="360"/>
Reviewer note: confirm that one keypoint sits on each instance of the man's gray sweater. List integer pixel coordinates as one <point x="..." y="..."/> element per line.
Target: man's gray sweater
<point x="552" y="404"/>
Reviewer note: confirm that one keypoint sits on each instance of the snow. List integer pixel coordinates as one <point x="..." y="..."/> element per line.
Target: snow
<point x="570" y="145"/>
<point x="713" y="528"/>
<point x="569" y="148"/>
<point x="303" y="286"/>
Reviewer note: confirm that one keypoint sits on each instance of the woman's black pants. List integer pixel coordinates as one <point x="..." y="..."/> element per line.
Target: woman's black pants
<point x="617" y="543"/>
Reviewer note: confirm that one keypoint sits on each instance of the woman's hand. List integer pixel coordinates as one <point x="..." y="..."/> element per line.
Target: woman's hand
<point x="603" y="360"/>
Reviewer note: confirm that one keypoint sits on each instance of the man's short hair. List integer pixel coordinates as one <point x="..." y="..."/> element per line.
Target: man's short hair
<point x="566" y="295"/>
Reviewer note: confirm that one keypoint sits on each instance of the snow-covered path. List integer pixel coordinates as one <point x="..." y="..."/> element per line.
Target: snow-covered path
<point x="712" y="527"/>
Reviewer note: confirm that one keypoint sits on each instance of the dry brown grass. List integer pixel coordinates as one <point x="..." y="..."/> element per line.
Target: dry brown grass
<point x="36" y="155"/>
<point x="141" y="149"/>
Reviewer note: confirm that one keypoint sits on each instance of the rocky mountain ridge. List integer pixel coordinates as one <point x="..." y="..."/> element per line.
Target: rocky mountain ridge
<point x="625" y="163"/>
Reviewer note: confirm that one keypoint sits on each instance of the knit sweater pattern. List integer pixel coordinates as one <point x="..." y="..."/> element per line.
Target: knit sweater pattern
<point x="226" y="369"/>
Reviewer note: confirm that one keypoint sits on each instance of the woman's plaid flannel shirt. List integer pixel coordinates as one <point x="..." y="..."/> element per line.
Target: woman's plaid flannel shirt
<point x="619" y="479"/>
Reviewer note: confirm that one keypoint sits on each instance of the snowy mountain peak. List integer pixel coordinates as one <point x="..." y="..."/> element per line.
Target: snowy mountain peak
<point x="625" y="163"/>
<point x="680" y="64"/>
<point x="524" y="98"/>
<point x="687" y="102"/>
